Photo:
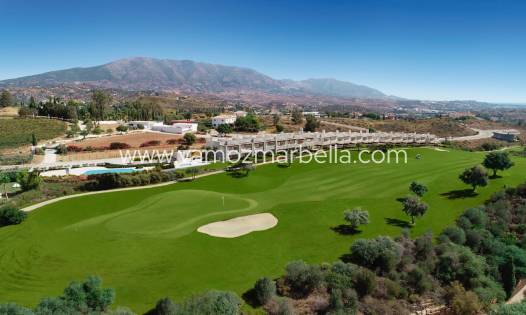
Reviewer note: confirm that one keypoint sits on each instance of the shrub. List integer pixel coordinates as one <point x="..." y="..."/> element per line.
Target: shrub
<point x="189" y="138"/>
<point x="455" y="234"/>
<point x="13" y="309"/>
<point x="74" y="148"/>
<point x="11" y="216"/>
<point x="118" y="145"/>
<point x="28" y="180"/>
<point x="211" y="302"/>
<point x="165" y="306"/>
<point x="122" y="128"/>
<point x="265" y="289"/>
<point x="380" y="253"/>
<point x="302" y="278"/>
<point x="62" y="149"/>
<point x="86" y="297"/>
<point x="150" y="143"/>
<point x="364" y="281"/>
<point x="172" y="141"/>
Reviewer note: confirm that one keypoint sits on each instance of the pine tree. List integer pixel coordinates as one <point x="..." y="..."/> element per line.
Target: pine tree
<point x="6" y="99"/>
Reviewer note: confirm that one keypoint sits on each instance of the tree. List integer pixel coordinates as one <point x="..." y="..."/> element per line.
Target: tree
<point x="497" y="161"/>
<point x="10" y="216"/>
<point x="418" y="189"/>
<point x="211" y="302"/>
<point x="6" y="99"/>
<point x="14" y="309"/>
<point x="296" y="116"/>
<point x="32" y="103"/>
<point x="356" y="217"/>
<point x="29" y="180"/>
<point x="413" y="207"/>
<point x="475" y="176"/>
<point x="364" y="281"/>
<point x="311" y="123"/>
<point x="5" y="179"/>
<point x="264" y="289"/>
<point x="507" y="271"/>
<point x="380" y="253"/>
<point x="165" y="306"/>
<point x="84" y="133"/>
<point x="87" y="297"/>
<point x="100" y="102"/>
<point x="462" y="302"/>
<point x="121" y="128"/>
<point x="248" y="123"/>
<point x="187" y="115"/>
<point x="189" y="138"/>
<point x="224" y="128"/>
<point x="192" y="171"/>
<point x="302" y="277"/>
<point x="455" y="234"/>
<point x="279" y="128"/>
<point x="34" y="141"/>
<point x="275" y="119"/>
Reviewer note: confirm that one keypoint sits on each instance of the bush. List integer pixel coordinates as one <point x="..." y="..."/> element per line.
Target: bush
<point x="364" y="281"/>
<point x="74" y="148"/>
<point x="265" y="289"/>
<point x="150" y="143"/>
<point x="13" y="309"/>
<point x="118" y="145"/>
<point x="86" y="297"/>
<point x="172" y="141"/>
<point x="29" y="180"/>
<point x="165" y="306"/>
<point x="189" y="138"/>
<point x="122" y="128"/>
<point x="455" y="234"/>
<point x="62" y="149"/>
<point x="11" y="216"/>
<point x="302" y="278"/>
<point x="380" y="253"/>
<point x="212" y="302"/>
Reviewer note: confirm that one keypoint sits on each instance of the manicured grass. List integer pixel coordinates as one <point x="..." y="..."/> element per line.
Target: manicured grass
<point x="143" y="242"/>
<point x="17" y="132"/>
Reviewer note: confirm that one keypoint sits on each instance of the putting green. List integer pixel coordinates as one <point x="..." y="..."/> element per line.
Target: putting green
<point x="144" y="242"/>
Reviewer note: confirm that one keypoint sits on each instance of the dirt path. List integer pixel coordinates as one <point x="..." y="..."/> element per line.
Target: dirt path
<point x="343" y="126"/>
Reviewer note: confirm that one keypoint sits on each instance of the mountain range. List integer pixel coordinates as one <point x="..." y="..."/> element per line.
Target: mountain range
<point x="135" y="74"/>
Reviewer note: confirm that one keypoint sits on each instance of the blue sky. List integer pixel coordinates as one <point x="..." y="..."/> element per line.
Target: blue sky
<point x="422" y="49"/>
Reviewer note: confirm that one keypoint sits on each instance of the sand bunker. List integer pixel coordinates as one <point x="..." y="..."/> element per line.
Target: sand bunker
<point x="240" y="226"/>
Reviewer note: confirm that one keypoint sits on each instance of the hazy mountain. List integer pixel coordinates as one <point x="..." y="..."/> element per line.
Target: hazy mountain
<point x="189" y="76"/>
<point x="339" y="88"/>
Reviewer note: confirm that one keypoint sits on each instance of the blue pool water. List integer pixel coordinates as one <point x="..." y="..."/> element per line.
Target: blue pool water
<point x="111" y="170"/>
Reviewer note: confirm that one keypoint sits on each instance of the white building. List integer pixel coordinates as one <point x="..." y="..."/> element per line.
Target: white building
<point x="147" y="124"/>
<point x="223" y="119"/>
<point x="315" y="114"/>
<point x="178" y="128"/>
<point x="240" y="113"/>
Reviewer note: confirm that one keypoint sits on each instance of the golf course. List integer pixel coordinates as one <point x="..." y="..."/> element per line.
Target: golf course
<point x="144" y="243"/>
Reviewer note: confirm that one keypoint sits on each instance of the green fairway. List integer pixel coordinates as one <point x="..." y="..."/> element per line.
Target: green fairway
<point x="144" y="242"/>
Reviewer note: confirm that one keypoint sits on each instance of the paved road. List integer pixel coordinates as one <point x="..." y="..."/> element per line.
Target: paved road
<point x="481" y="134"/>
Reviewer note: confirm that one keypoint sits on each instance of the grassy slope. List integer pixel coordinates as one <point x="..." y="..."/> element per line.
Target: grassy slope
<point x="17" y="132"/>
<point x="143" y="243"/>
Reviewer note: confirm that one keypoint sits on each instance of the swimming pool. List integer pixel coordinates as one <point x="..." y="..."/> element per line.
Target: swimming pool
<point x="111" y="170"/>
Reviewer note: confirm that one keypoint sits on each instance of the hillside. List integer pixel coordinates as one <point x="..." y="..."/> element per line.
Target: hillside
<point x="191" y="77"/>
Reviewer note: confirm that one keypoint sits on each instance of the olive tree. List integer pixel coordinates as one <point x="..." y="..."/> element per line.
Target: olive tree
<point x="356" y="217"/>
<point x="474" y="176"/>
<point x="414" y="207"/>
<point x="497" y="161"/>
